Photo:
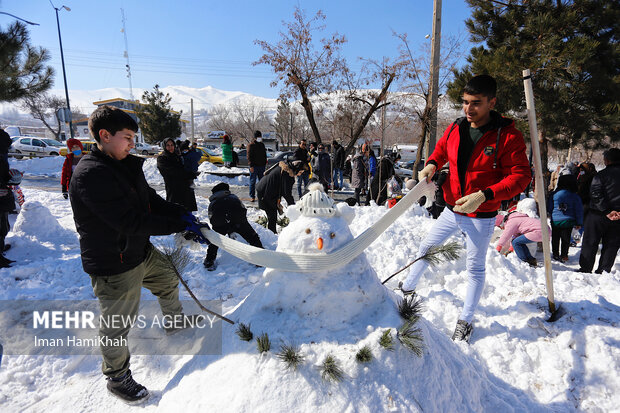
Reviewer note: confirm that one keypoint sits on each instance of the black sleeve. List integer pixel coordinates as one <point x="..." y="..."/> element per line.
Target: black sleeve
<point x="597" y="195"/>
<point x="160" y="206"/>
<point x="172" y="170"/>
<point x="287" y="183"/>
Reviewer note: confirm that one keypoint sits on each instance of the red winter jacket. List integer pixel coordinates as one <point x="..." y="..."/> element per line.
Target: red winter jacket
<point x="67" y="171"/>
<point x="505" y="171"/>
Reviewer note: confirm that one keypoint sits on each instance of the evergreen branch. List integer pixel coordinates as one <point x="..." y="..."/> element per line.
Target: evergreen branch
<point x="364" y="355"/>
<point x="411" y="337"/>
<point x="410" y="308"/>
<point x="262" y="343"/>
<point x="434" y="255"/>
<point x="244" y="332"/>
<point x="386" y="341"/>
<point x="331" y="370"/>
<point x="291" y="355"/>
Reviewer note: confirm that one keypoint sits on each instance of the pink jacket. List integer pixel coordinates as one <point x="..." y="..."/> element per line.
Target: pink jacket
<point x="519" y="224"/>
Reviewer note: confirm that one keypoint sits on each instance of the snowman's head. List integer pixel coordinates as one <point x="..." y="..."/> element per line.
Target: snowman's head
<point x="317" y="224"/>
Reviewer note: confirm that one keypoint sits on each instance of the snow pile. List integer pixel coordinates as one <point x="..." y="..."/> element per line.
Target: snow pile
<point x="48" y="166"/>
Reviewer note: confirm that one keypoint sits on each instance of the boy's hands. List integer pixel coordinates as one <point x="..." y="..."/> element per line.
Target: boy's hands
<point x="427" y="172"/>
<point x="194" y="227"/>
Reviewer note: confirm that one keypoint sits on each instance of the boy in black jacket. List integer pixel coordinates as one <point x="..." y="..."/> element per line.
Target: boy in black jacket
<point x="227" y="215"/>
<point x="115" y="213"/>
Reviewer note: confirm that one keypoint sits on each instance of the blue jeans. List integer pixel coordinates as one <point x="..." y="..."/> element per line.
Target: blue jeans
<point x="255" y="176"/>
<point x="302" y="179"/>
<point x="478" y="233"/>
<point x="338" y="182"/>
<point x="519" y="244"/>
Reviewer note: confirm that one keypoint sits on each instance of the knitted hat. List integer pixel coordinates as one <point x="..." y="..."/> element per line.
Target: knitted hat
<point x="222" y="186"/>
<point x="316" y="203"/>
<point x="528" y="207"/>
<point x="72" y="142"/>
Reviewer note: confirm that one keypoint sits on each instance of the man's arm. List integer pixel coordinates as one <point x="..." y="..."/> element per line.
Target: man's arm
<point x="598" y="199"/>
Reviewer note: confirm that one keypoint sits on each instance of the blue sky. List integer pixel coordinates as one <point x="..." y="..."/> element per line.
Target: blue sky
<point x="210" y="43"/>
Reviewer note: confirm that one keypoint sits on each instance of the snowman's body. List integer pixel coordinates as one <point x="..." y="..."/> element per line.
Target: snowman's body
<point x="316" y="305"/>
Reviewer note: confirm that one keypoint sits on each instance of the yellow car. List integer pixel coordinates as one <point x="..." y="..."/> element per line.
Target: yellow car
<point x="208" y="157"/>
<point x="87" y="147"/>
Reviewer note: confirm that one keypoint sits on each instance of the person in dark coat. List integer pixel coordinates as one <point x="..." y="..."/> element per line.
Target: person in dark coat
<point x="603" y="220"/>
<point x="278" y="183"/>
<point x="177" y="179"/>
<point x="339" y="157"/>
<point x="566" y="211"/>
<point x="302" y="154"/>
<point x="7" y="200"/>
<point x="322" y="167"/>
<point x="257" y="160"/>
<point x="227" y="215"/>
<point x="115" y="213"/>
<point x="378" y="185"/>
<point x="359" y="171"/>
<point x="191" y="157"/>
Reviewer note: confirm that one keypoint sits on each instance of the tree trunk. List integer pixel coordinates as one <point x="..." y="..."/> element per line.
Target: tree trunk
<point x="544" y="153"/>
<point x="373" y="108"/>
<point x="307" y="105"/>
<point x="421" y="142"/>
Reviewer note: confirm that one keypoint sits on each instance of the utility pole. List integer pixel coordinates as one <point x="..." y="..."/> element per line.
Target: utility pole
<point x="191" y="105"/>
<point x="434" y="84"/>
<point x="64" y="73"/>
<point x="290" y="135"/>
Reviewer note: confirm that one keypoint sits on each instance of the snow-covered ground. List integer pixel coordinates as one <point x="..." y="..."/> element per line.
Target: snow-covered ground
<point x="515" y="362"/>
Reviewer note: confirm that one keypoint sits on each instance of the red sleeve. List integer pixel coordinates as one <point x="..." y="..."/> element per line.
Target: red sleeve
<point x="515" y="167"/>
<point x="66" y="172"/>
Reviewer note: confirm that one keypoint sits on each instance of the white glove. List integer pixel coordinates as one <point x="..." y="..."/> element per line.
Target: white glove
<point x="469" y="203"/>
<point x="427" y="172"/>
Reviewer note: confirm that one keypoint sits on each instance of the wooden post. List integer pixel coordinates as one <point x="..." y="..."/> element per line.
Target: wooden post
<point x="191" y="103"/>
<point x="540" y="185"/>
<point x="434" y="83"/>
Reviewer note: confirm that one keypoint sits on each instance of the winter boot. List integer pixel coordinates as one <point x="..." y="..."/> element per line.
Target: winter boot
<point x="405" y="292"/>
<point x="532" y="261"/>
<point x="126" y="389"/>
<point x="463" y="331"/>
<point x="184" y="322"/>
<point x="210" y="265"/>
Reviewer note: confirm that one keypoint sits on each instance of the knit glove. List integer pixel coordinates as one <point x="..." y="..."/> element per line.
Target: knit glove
<point x="194" y="227"/>
<point x="469" y="203"/>
<point x="427" y="172"/>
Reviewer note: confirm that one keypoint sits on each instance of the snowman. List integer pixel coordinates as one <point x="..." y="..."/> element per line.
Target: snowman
<point x="316" y="305"/>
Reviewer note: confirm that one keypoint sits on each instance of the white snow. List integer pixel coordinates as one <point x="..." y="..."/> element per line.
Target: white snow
<point x="515" y="362"/>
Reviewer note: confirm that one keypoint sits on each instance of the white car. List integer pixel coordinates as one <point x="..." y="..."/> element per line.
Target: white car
<point x="31" y="146"/>
<point x="146" y="149"/>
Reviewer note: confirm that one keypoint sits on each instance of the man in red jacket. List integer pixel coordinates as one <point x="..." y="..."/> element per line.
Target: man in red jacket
<point x="488" y="164"/>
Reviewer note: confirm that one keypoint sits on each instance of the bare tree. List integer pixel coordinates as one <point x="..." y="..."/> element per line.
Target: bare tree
<point x="44" y="107"/>
<point x="417" y="77"/>
<point x="251" y="115"/>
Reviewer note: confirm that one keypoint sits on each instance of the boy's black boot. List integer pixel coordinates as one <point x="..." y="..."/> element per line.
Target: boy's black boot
<point x="127" y="389"/>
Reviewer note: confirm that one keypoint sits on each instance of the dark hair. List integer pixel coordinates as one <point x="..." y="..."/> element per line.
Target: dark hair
<point x="226" y="139"/>
<point x="481" y="85"/>
<point x="568" y="182"/>
<point x="222" y="186"/>
<point x="111" y="119"/>
<point x="612" y="155"/>
<point x="257" y="134"/>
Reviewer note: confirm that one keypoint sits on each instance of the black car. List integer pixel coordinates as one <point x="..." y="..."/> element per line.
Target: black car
<point x="243" y="157"/>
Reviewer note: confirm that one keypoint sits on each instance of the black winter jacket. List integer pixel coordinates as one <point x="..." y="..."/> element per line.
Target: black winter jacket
<point x="177" y="180"/>
<point x="339" y="157"/>
<point x="605" y="190"/>
<point x="226" y="210"/>
<point x="274" y="185"/>
<point x="257" y="154"/>
<point x="115" y="213"/>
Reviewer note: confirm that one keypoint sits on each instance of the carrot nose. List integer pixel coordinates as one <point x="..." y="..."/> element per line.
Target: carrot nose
<point x="319" y="243"/>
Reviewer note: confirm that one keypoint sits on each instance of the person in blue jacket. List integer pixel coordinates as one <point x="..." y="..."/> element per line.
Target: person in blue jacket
<point x="566" y="211"/>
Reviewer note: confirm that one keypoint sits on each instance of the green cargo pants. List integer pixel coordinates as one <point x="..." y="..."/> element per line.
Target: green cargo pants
<point x="119" y="295"/>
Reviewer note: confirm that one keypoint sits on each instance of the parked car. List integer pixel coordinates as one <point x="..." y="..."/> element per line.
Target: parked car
<point x="86" y="145"/>
<point x="271" y="156"/>
<point x="31" y="146"/>
<point x="146" y="149"/>
<point x="207" y="156"/>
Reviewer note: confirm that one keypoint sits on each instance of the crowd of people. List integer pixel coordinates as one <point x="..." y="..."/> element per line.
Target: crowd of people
<point x="479" y="164"/>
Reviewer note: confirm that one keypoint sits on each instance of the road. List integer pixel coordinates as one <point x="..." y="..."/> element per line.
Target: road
<point x="52" y="184"/>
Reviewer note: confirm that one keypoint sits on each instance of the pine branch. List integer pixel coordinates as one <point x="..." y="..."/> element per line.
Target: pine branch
<point x="411" y="337"/>
<point x="364" y="355"/>
<point x="331" y="370"/>
<point x="434" y="255"/>
<point x="244" y="332"/>
<point x="410" y="308"/>
<point x="386" y="341"/>
<point x="262" y="343"/>
<point x="291" y="355"/>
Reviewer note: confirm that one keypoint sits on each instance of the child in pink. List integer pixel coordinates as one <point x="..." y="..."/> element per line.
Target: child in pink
<point x="521" y="227"/>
